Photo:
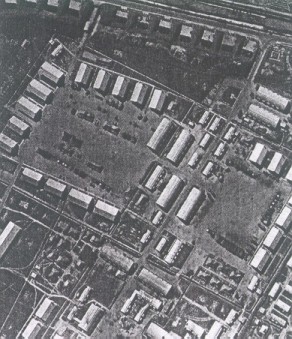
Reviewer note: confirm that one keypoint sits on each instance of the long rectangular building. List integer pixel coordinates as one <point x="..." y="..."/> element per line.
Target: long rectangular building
<point x="260" y="260"/>
<point x="139" y="94"/>
<point x="284" y="218"/>
<point x="154" y="178"/>
<point x="28" y="107"/>
<point x="7" y="144"/>
<point x="271" y="98"/>
<point x="79" y="198"/>
<point x="181" y="144"/>
<point x="102" y="81"/>
<point x="152" y="280"/>
<point x="277" y="163"/>
<point x="157" y="100"/>
<point x="106" y="210"/>
<point x="83" y="75"/>
<point x="117" y="257"/>
<point x="55" y="187"/>
<point x="40" y="90"/>
<point x="258" y="154"/>
<point x="170" y="192"/>
<point x="161" y="135"/>
<point x="32" y="177"/>
<point x="121" y="87"/>
<point x="190" y="205"/>
<point x="18" y="126"/>
<point x="51" y="73"/>
<point x="7" y="236"/>
<point x="264" y="115"/>
<point x="273" y="238"/>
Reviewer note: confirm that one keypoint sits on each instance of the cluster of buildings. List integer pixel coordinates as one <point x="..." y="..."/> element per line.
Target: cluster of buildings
<point x="186" y="32"/>
<point x="60" y="190"/>
<point x="273" y="239"/>
<point x="120" y="87"/>
<point x="74" y="6"/>
<point x="20" y="129"/>
<point x="36" y="325"/>
<point x="40" y="91"/>
<point x="276" y="164"/>
<point x="169" y="248"/>
<point x="139" y="303"/>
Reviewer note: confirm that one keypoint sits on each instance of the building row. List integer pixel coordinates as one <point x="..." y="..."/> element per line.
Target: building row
<point x="259" y="154"/>
<point x="121" y="88"/>
<point x="273" y="99"/>
<point x="81" y="199"/>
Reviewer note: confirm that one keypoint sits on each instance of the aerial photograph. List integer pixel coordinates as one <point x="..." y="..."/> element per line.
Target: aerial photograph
<point x="145" y="169"/>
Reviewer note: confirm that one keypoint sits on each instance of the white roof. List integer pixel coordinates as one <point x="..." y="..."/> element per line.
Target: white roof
<point x="276" y="163"/>
<point x="32" y="329"/>
<point x="220" y="149"/>
<point x="75" y="5"/>
<point x="189" y="204"/>
<point x="274" y="290"/>
<point x="214" y="331"/>
<point x="289" y="175"/>
<point x="45" y="309"/>
<point x="208" y="35"/>
<point x="208" y="168"/>
<point x="186" y="31"/>
<point x="196" y="329"/>
<point x="102" y="80"/>
<point x="273" y="237"/>
<point x="89" y="317"/>
<point x="83" y="198"/>
<point x="154" y="177"/>
<point x="265" y="115"/>
<point x="56" y="72"/>
<point x="179" y="146"/>
<point x="7" y="236"/>
<point x="170" y="192"/>
<point x="55" y="185"/>
<point x="28" y="104"/>
<point x="173" y="251"/>
<point x="4" y="139"/>
<point x="105" y="207"/>
<point x="32" y="175"/>
<point x="161" y="244"/>
<point x="139" y="93"/>
<point x="260" y="258"/>
<point x="23" y="126"/>
<point x="81" y="73"/>
<point x="159" y="134"/>
<point x="156" y="332"/>
<point x="120" y="86"/>
<point x="204" y="141"/>
<point x="284" y="216"/>
<point x="290" y="201"/>
<point x="194" y="158"/>
<point x="258" y="154"/>
<point x="289" y="263"/>
<point x="157" y="100"/>
<point x="214" y="124"/>
<point x="283" y="306"/>
<point x="274" y="98"/>
<point x="253" y="283"/>
<point x="36" y="86"/>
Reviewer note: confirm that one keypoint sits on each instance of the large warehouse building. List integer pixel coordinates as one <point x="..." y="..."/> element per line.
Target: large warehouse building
<point x="162" y="135"/>
<point x="258" y="154"/>
<point x="264" y="115"/>
<point x="180" y="146"/>
<point x="190" y="205"/>
<point x="274" y="99"/>
<point x="152" y="280"/>
<point x="170" y="192"/>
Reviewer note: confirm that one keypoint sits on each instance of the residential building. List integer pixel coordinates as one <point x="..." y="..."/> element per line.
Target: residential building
<point x="106" y="210"/>
<point x="55" y="187"/>
<point x="157" y="101"/>
<point x="120" y="88"/>
<point x="45" y="309"/>
<point x="31" y="176"/>
<point x="208" y="169"/>
<point x="83" y="75"/>
<point x="40" y="90"/>
<point x="117" y="258"/>
<point x="155" y="282"/>
<point x="81" y="199"/>
<point x="51" y="73"/>
<point x="18" y="126"/>
<point x="32" y="329"/>
<point x="260" y="260"/>
<point x="277" y="163"/>
<point x="139" y="94"/>
<point x="29" y="108"/>
<point x="264" y="115"/>
<point x="154" y="178"/>
<point x="271" y="98"/>
<point x="8" y="145"/>
<point x="284" y="218"/>
<point x="205" y="141"/>
<point x="273" y="238"/>
<point x="102" y="81"/>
